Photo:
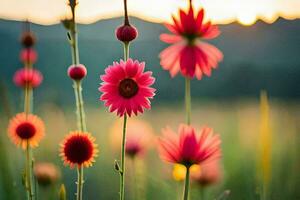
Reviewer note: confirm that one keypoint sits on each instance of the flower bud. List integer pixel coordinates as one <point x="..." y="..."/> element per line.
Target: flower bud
<point x="77" y="72"/>
<point x="28" y="39"/>
<point x="28" y="56"/>
<point x="30" y="77"/>
<point x="126" y="33"/>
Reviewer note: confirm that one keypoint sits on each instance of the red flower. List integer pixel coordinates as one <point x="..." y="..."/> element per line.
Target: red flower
<point x="31" y="77"/>
<point x="188" y="148"/>
<point x="28" y="56"/>
<point x="78" y="148"/>
<point x="189" y="53"/>
<point x="126" y="87"/>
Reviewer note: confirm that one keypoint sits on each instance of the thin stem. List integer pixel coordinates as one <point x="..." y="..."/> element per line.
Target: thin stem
<point x="126" y="51"/>
<point x="81" y="123"/>
<point x="186" y="184"/>
<point x="30" y="194"/>
<point x="126" y="19"/>
<point x="188" y="100"/>
<point x="122" y="172"/>
<point x="80" y="182"/>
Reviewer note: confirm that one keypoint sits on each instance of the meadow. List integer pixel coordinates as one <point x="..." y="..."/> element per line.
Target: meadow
<point x="237" y="121"/>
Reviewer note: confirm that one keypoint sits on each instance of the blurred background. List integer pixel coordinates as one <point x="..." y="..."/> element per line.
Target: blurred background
<point x="261" y="47"/>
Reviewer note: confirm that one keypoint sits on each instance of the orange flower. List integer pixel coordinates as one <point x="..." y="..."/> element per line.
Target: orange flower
<point x="78" y="148"/>
<point x="26" y="128"/>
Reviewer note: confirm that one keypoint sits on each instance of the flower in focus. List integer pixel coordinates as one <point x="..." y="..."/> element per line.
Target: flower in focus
<point x="30" y="77"/>
<point x="126" y="33"/>
<point x="126" y="87"/>
<point x="78" y="148"/>
<point x="77" y="72"/>
<point x="189" y="148"/>
<point x="138" y="137"/>
<point x="46" y="173"/>
<point x="28" y="56"/>
<point x="26" y="128"/>
<point x="189" y="53"/>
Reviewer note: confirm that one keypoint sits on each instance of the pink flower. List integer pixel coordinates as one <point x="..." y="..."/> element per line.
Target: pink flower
<point x="189" y="53"/>
<point x="209" y="173"/>
<point x="126" y="87"/>
<point x="188" y="148"/>
<point x="28" y="55"/>
<point x="25" y="76"/>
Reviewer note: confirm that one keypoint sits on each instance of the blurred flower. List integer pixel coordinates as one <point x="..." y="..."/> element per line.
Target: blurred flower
<point x="209" y="174"/>
<point x="28" y="55"/>
<point x="28" y="39"/>
<point x="26" y="128"/>
<point x="126" y="87"/>
<point x="46" y="173"/>
<point x="77" y="72"/>
<point x="78" y="148"/>
<point x="188" y="148"/>
<point x="205" y="175"/>
<point x="189" y="53"/>
<point x="25" y="76"/>
<point x="179" y="171"/>
<point x="138" y="136"/>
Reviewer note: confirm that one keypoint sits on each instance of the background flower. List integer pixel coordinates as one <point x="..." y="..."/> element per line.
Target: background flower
<point x="189" y="53"/>
<point x="26" y="128"/>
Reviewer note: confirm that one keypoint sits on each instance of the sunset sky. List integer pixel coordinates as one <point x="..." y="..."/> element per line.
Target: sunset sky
<point x="245" y="12"/>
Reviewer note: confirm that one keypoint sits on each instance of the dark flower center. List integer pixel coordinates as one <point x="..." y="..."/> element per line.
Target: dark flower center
<point x="25" y="130"/>
<point x="78" y="149"/>
<point x="128" y="88"/>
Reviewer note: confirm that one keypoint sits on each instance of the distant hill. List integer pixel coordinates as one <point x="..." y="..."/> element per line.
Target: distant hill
<point x="259" y="57"/>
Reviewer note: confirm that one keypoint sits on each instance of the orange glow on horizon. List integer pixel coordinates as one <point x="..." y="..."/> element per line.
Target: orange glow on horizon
<point x="245" y="12"/>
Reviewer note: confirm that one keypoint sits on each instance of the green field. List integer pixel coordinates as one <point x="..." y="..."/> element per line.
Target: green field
<point x="237" y="122"/>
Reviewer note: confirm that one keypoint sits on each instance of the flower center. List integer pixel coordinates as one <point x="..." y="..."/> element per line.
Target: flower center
<point x="128" y="88"/>
<point x="78" y="150"/>
<point x="26" y="130"/>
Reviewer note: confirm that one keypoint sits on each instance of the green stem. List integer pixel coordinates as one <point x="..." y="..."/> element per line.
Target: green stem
<point x="126" y="51"/>
<point x="81" y="123"/>
<point x="80" y="182"/>
<point x="186" y="184"/>
<point x="188" y="100"/>
<point x="30" y="194"/>
<point x="122" y="172"/>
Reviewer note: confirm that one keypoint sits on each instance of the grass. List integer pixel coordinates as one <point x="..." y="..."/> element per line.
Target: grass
<point x="237" y="122"/>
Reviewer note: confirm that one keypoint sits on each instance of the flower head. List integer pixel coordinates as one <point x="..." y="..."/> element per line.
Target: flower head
<point x="189" y="148"/>
<point x="28" y="55"/>
<point x="30" y="77"/>
<point x="189" y="53"/>
<point x="26" y="128"/>
<point x="138" y="137"/>
<point x="78" y="148"/>
<point x="46" y="173"/>
<point x="126" y="87"/>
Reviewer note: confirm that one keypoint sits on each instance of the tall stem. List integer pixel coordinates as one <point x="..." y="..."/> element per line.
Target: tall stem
<point x="188" y="100"/>
<point x="122" y="172"/>
<point x="186" y="184"/>
<point x="81" y="123"/>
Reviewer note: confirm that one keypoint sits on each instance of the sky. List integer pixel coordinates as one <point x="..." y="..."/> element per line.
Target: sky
<point x="245" y="12"/>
